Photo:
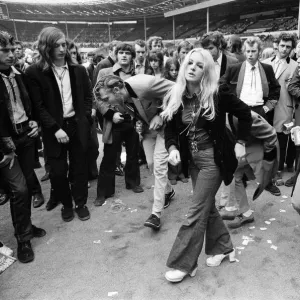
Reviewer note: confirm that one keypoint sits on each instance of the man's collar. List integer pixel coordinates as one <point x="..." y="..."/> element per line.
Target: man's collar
<point x="131" y="92"/>
<point x="248" y="65"/>
<point x="219" y="60"/>
<point x="13" y="72"/>
<point x="65" y="66"/>
<point x="137" y="64"/>
<point x="116" y="67"/>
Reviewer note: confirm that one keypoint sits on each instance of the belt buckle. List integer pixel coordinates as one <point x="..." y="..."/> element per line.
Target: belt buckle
<point x="194" y="147"/>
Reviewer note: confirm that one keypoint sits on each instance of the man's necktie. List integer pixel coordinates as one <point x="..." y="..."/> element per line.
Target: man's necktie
<point x="253" y="78"/>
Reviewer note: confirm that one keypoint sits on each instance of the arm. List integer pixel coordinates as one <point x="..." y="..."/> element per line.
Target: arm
<point x="274" y="90"/>
<point x="229" y="103"/>
<point x="88" y="95"/>
<point x="36" y="94"/>
<point x="294" y="86"/>
<point x="262" y="130"/>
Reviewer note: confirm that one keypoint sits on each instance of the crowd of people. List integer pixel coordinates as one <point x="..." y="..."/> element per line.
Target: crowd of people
<point x="219" y="113"/>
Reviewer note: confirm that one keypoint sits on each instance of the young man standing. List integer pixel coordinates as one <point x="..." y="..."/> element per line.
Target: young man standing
<point x="62" y="96"/>
<point x="284" y="68"/>
<point x="141" y="63"/>
<point x="18" y="131"/>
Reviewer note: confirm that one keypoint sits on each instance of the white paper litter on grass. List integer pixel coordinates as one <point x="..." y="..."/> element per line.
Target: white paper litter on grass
<point x="112" y="294"/>
<point x="263" y="228"/>
<point x="237" y="260"/>
<point x="284" y="196"/>
<point x="134" y="210"/>
<point x="245" y="242"/>
<point x="240" y="252"/>
<point x="97" y="242"/>
<point x="240" y="248"/>
<point x="269" y="241"/>
<point x="108" y="231"/>
<point x="252" y="227"/>
<point x="272" y="219"/>
<point x="282" y="210"/>
<point x="268" y="222"/>
<point x="282" y="201"/>
<point x="273" y="247"/>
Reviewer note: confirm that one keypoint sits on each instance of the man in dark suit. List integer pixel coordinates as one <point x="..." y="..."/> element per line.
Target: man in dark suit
<point x="18" y="131"/>
<point x="214" y="43"/>
<point x="62" y="96"/>
<point x="108" y="62"/>
<point x="255" y="84"/>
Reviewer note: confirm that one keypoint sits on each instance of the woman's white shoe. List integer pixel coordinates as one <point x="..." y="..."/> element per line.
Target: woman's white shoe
<point x="215" y="261"/>
<point x="177" y="275"/>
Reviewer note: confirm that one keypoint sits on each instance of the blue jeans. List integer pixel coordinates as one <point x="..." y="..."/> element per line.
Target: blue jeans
<point x="202" y="217"/>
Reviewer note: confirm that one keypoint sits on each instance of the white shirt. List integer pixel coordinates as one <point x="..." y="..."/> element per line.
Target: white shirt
<point x="62" y="77"/>
<point x="252" y="93"/>
<point x="277" y="65"/>
<point x="218" y="63"/>
<point x="19" y="113"/>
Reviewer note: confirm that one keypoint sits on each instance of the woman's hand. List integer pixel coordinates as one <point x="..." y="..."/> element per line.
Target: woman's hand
<point x="240" y="151"/>
<point x="156" y="123"/>
<point x="174" y="157"/>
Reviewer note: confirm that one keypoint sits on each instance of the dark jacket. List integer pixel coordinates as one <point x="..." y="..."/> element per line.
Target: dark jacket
<point x="294" y="90"/>
<point x="223" y="144"/>
<point x="46" y="99"/>
<point x="271" y="87"/>
<point x="7" y="125"/>
<point x="103" y="64"/>
<point x="90" y="69"/>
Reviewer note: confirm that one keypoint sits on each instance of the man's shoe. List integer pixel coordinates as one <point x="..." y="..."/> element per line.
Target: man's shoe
<point x="168" y="198"/>
<point x="38" y="200"/>
<point x="3" y="198"/>
<point x="273" y="189"/>
<point x="119" y="171"/>
<point x="227" y="215"/>
<point x="67" y="213"/>
<point x="137" y="189"/>
<point x="83" y="213"/>
<point x="173" y="181"/>
<point x="153" y="222"/>
<point x="290" y="182"/>
<point x="52" y="203"/>
<point x="239" y="220"/>
<point x="45" y="177"/>
<point x="38" y="232"/>
<point x="25" y="253"/>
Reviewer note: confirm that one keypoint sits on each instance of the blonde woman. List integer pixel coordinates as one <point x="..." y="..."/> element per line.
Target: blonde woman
<point x="195" y="110"/>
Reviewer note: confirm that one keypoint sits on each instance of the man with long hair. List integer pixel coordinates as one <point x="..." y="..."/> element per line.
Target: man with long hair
<point x="62" y="96"/>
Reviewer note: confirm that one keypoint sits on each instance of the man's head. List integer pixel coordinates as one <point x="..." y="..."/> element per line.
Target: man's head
<point x="52" y="47"/>
<point x="19" y="49"/>
<point x="90" y="57"/>
<point x="155" y="43"/>
<point x="213" y="42"/>
<point x="235" y="44"/>
<point x="252" y="48"/>
<point x="111" y="89"/>
<point x="140" y="51"/>
<point x="112" y="49"/>
<point x="7" y="49"/>
<point x="275" y="46"/>
<point x="125" y="54"/>
<point x="183" y="49"/>
<point x="286" y="44"/>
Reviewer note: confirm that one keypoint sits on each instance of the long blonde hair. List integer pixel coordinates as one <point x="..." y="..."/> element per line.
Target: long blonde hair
<point x="208" y="88"/>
